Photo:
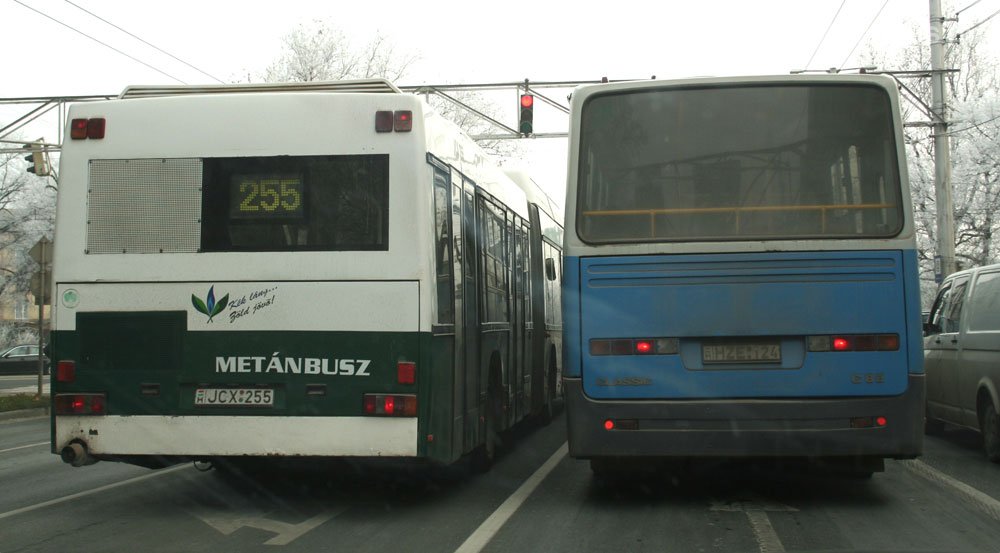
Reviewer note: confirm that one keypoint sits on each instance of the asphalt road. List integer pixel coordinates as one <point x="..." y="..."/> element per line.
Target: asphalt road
<point x="535" y="499"/>
<point x="11" y="384"/>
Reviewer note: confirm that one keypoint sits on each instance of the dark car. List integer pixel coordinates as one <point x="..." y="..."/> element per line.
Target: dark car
<point x="22" y="359"/>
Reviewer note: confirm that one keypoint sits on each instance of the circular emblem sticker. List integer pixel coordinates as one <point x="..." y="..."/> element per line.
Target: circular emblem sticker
<point x="70" y="298"/>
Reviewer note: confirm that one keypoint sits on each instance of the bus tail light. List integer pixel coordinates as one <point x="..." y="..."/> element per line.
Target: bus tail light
<point x="390" y="405"/>
<point x="80" y="404"/>
<point x="66" y="371"/>
<point x="635" y="346"/>
<point x="406" y="372"/>
<point x="854" y="342"/>
<point x="399" y="121"/>
<point x="87" y="128"/>
<point x="383" y="121"/>
<point x="404" y="121"/>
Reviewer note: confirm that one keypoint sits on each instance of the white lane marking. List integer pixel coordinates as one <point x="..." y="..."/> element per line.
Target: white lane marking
<point x="489" y="528"/>
<point x="764" y="533"/>
<point x="78" y="495"/>
<point x="756" y="511"/>
<point x="984" y="502"/>
<point x="286" y="532"/>
<point x="23" y="447"/>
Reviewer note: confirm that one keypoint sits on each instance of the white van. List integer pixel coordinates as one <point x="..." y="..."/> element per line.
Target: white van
<point x="962" y="355"/>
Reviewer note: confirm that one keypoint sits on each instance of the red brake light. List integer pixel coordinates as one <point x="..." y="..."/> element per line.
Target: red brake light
<point x="383" y="121"/>
<point x="841" y="344"/>
<point x="394" y="405"/>
<point x="80" y="404"/>
<point x="609" y="424"/>
<point x="881" y="421"/>
<point x="78" y="129"/>
<point x="888" y="342"/>
<point x="95" y="127"/>
<point x="404" y="121"/>
<point x="406" y="372"/>
<point x="66" y="371"/>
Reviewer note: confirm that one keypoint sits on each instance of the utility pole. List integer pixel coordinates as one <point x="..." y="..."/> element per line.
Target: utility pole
<point x="942" y="150"/>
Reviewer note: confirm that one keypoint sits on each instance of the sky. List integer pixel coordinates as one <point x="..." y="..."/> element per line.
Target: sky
<point x="457" y="42"/>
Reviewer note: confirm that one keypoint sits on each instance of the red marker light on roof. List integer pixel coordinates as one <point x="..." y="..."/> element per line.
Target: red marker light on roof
<point x="841" y="344"/>
<point x="881" y="421"/>
<point x="609" y="424"/>
<point x="95" y="127"/>
<point x="404" y="121"/>
<point x="78" y="129"/>
<point x="643" y="346"/>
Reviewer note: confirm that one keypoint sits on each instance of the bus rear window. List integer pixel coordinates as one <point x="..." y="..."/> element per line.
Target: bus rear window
<point x="295" y="203"/>
<point x="738" y="163"/>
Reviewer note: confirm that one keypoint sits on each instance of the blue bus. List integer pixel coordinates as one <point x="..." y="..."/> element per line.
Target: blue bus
<point x="741" y="273"/>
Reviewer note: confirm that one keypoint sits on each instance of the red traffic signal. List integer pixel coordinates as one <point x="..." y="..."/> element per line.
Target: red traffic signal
<point x="526" y="118"/>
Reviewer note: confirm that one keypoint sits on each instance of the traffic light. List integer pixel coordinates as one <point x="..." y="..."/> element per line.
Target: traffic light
<point x="526" y="120"/>
<point x="37" y="159"/>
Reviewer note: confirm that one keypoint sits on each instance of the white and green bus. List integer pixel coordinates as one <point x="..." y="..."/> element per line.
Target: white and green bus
<point x="295" y="270"/>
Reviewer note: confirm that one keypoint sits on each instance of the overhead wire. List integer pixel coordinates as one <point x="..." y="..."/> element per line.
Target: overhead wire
<point x="864" y="34"/>
<point x="828" y="27"/>
<point x="991" y="16"/>
<point x="147" y="43"/>
<point x="106" y="45"/>
<point x="967" y="7"/>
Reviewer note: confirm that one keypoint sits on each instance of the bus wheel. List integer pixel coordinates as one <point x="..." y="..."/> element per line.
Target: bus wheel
<point x="990" y="425"/>
<point x="482" y="459"/>
<point x="548" y="408"/>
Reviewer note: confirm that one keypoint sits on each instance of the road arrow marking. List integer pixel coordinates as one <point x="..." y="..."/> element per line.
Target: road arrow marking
<point x="286" y="532"/>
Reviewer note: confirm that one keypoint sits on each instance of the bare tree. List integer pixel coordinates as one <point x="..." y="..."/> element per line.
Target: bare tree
<point x="319" y="51"/>
<point x="27" y="212"/>
<point x="974" y="116"/>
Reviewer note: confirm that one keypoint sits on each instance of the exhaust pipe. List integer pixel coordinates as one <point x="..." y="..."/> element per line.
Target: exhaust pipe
<point x="76" y="454"/>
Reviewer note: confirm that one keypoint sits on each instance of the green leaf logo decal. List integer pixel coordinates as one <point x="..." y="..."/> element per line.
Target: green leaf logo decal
<point x="210" y="307"/>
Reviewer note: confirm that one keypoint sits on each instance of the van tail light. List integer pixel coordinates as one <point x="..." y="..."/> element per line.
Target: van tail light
<point x="81" y="404"/>
<point x="390" y="405"/>
<point x="66" y="371"/>
<point x="406" y="372"/>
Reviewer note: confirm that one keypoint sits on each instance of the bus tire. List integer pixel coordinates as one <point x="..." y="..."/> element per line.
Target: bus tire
<point x="549" y="389"/>
<point x="485" y="454"/>
<point x="990" y="425"/>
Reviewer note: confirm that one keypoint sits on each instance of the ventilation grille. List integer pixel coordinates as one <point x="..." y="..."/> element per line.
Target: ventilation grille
<point x="144" y="206"/>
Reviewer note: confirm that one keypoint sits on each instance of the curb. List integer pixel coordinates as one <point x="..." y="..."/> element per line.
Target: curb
<point x="35" y="412"/>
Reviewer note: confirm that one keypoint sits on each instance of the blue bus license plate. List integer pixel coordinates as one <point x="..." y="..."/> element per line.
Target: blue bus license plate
<point x="741" y="353"/>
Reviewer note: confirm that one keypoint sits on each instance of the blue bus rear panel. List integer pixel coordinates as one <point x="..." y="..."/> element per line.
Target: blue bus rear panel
<point x="798" y="400"/>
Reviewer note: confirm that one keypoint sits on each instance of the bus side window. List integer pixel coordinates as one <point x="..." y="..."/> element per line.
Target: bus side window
<point x="442" y="240"/>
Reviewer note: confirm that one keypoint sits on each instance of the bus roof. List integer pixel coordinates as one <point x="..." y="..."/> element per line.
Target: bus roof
<point x="362" y="85"/>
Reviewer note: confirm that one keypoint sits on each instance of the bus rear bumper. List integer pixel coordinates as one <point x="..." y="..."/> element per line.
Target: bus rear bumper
<point x="811" y="427"/>
<point x="221" y="436"/>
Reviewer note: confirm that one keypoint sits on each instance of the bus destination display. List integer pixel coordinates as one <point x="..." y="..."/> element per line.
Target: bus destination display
<point x="266" y="196"/>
